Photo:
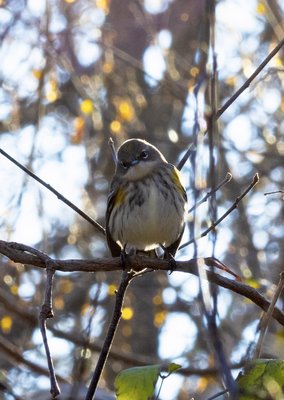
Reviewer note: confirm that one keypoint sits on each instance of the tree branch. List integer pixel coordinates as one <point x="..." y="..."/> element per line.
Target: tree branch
<point x="249" y="80"/>
<point x="232" y="208"/>
<point x="54" y="191"/>
<point x="23" y="254"/>
<point x="227" y="179"/>
<point x="125" y="281"/>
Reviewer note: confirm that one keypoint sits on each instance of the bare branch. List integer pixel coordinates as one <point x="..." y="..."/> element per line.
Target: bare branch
<point x="113" y="152"/>
<point x="54" y="191"/>
<point x="267" y="316"/>
<point x="47" y="312"/>
<point x="227" y="179"/>
<point x="232" y="208"/>
<point x="125" y="281"/>
<point x="231" y="100"/>
<point x="249" y="80"/>
<point x="275" y="192"/>
<point x="20" y="253"/>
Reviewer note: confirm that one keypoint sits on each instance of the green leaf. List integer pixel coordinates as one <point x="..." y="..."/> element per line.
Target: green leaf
<point x="137" y="383"/>
<point x="172" y="367"/>
<point x="263" y="379"/>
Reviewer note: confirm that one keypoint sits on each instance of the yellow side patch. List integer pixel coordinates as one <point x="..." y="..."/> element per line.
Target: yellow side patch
<point x="119" y="197"/>
<point x="176" y="177"/>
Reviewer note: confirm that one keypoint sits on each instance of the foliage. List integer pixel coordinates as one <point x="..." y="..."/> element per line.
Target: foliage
<point x="262" y="380"/>
<point x="139" y="383"/>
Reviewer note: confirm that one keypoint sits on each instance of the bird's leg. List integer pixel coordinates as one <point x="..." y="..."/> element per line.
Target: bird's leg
<point x="168" y="256"/>
<point x="123" y="258"/>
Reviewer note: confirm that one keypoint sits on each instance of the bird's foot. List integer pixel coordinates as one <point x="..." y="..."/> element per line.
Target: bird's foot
<point x="172" y="262"/>
<point x="123" y="259"/>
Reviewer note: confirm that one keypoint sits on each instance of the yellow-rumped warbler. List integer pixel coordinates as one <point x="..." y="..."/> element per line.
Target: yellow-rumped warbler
<point x="147" y="203"/>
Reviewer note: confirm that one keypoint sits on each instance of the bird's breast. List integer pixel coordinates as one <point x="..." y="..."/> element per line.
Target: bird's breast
<point x="148" y="216"/>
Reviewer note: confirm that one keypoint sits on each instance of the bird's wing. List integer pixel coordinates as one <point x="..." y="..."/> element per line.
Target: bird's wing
<point x="175" y="175"/>
<point x="114" y="248"/>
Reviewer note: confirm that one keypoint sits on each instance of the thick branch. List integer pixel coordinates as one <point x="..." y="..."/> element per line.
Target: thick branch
<point x="20" y="253"/>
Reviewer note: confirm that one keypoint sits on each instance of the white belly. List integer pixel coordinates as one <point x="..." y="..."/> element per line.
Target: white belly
<point x="153" y="223"/>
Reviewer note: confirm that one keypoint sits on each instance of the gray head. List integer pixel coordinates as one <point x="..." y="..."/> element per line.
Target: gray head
<point x="136" y="158"/>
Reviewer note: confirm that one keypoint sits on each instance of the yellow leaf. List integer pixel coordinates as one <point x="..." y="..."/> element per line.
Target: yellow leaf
<point x="6" y="324"/>
<point x="85" y="307"/>
<point x="59" y="303"/>
<point x="194" y="71"/>
<point x="14" y="289"/>
<point x="87" y="106"/>
<point x="125" y="110"/>
<point x="159" y="318"/>
<point x="111" y="289"/>
<point x="115" y="126"/>
<point x="260" y="9"/>
<point x="66" y="286"/>
<point x="231" y="81"/>
<point x="253" y="283"/>
<point x="103" y="5"/>
<point x="53" y="92"/>
<point x="127" y="313"/>
<point x="202" y="384"/>
<point x="108" y="67"/>
<point x="79" y="130"/>
<point x="157" y="300"/>
<point x="37" y="73"/>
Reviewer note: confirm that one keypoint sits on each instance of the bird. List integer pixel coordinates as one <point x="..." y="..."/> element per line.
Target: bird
<point x="147" y="202"/>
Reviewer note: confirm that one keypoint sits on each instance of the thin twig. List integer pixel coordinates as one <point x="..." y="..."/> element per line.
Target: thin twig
<point x="127" y="276"/>
<point x="113" y="152"/>
<point x="267" y="316"/>
<point x="233" y="207"/>
<point x="227" y="179"/>
<point x="185" y="157"/>
<point x="275" y="192"/>
<point x="250" y="79"/>
<point x="46" y="312"/>
<point x="210" y="310"/>
<point x="231" y="100"/>
<point x="216" y="395"/>
<point x="54" y="191"/>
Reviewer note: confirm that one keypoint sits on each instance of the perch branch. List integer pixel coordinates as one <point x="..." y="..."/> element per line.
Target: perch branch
<point x="20" y="253"/>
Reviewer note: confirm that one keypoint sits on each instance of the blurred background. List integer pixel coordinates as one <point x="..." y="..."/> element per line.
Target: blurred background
<point x="74" y="73"/>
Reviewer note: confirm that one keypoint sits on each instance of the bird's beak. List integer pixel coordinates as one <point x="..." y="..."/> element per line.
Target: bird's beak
<point x="133" y="162"/>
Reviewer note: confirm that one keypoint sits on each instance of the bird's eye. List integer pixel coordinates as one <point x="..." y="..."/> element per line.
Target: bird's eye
<point x="124" y="164"/>
<point x="144" y="154"/>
